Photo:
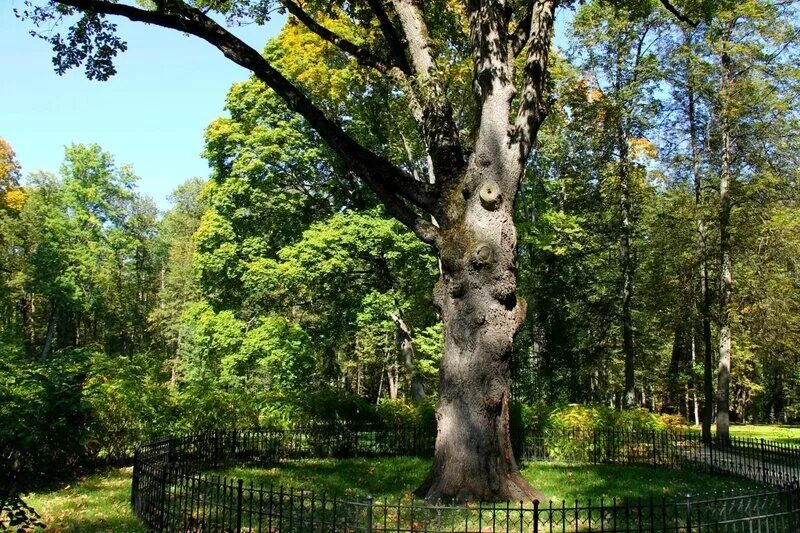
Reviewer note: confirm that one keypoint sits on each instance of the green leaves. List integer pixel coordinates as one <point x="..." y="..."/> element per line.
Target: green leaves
<point x="91" y="40"/>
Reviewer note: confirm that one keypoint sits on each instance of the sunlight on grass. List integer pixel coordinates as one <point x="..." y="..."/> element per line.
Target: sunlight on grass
<point x="101" y="501"/>
<point x="395" y="478"/>
<point x="97" y="502"/>
<point x="786" y="434"/>
<point x="581" y="482"/>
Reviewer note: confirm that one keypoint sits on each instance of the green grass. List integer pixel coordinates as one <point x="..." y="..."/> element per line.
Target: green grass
<point x="395" y="478"/>
<point x="786" y="434"/>
<point x="96" y="502"/>
<point x="101" y="501"/>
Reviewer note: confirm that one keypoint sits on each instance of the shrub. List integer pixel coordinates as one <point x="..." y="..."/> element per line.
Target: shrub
<point x="598" y="418"/>
<point x="394" y="413"/>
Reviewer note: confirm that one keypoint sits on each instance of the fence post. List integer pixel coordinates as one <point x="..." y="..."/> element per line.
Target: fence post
<point x="653" y="439"/>
<point x="763" y="463"/>
<point x="369" y="514"/>
<point x="536" y="516"/>
<point x="135" y="481"/>
<point x="689" y="513"/>
<point x="164" y="497"/>
<point x="239" y="506"/>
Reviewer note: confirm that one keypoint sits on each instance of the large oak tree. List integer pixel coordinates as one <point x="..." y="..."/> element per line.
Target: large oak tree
<point x="474" y="164"/>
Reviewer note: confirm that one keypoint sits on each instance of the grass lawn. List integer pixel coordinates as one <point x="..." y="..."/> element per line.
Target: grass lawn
<point x="395" y="478"/>
<point x="95" y="502"/>
<point x="787" y="434"/>
<point x="101" y="501"/>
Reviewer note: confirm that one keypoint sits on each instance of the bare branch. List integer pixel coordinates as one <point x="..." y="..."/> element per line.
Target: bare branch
<point x="678" y="15"/>
<point x="390" y="183"/>
<point x="416" y="37"/>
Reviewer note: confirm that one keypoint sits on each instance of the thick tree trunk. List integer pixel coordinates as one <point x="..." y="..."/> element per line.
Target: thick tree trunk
<point x="726" y="265"/>
<point x="477" y="298"/>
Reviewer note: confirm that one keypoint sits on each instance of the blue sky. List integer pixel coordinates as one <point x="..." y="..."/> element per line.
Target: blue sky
<point x="152" y="114"/>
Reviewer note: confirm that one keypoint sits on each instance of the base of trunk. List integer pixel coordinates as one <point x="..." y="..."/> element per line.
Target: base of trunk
<point x="474" y="459"/>
<point x="443" y="489"/>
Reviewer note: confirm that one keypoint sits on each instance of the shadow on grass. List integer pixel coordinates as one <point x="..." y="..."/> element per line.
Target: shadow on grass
<point x="396" y="478"/>
<point x="95" y="502"/>
<point x="390" y="478"/>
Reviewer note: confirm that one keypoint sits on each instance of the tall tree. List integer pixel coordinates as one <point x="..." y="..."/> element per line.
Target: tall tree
<point x="726" y="261"/>
<point x="477" y="160"/>
<point x="754" y="46"/>
<point x="175" y="251"/>
<point x="701" y="253"/>
<point x="687" y="159"/>
<point x="616" y="45"/>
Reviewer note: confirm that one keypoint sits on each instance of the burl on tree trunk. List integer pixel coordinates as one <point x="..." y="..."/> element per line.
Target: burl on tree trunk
<point x="476" y="296"/>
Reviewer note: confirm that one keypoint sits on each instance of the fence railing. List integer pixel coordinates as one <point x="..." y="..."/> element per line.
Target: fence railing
<point x="173" y="491"/>
<point x="769" y="462"/>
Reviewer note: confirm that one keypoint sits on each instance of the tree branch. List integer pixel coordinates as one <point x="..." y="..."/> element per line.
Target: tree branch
<point x="437" y="125"/>
<point x="397" y="46"/>
<point x="390" y="183"/>
<point x="533" y="107"/>
<point x="678" y="15"/>
<point x="494" y="81"/>
<point x="361" y="54"/>
<point x="519" y="37"/>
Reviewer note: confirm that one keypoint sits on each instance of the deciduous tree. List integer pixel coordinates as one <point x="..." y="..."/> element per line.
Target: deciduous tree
<point x="477" y="154"/>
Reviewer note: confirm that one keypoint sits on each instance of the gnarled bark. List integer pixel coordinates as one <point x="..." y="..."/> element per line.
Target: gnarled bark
<point x="476" y="296"/>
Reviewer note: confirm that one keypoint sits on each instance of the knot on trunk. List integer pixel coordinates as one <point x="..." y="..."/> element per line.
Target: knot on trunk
<point x="483" y="254"/>
<point x="490" y="195"/>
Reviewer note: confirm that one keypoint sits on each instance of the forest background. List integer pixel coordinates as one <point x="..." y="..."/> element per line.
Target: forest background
<point x="658" y="216"/>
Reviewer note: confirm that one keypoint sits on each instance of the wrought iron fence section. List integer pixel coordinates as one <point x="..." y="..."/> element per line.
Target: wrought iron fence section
<point x="171" y="492"/>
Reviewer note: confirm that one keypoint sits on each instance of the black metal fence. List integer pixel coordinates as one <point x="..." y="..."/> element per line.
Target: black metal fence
<point x="171" y="492"/>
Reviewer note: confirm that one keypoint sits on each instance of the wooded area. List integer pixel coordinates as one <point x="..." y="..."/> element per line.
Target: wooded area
<point x="657" y="238"/>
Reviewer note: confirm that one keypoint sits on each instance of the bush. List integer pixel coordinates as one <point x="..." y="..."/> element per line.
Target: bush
<point x="600" y="418"/>
<point x="586" y="432"/>
<point x="331" y="406"/>
<point x="129" y="405"/>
